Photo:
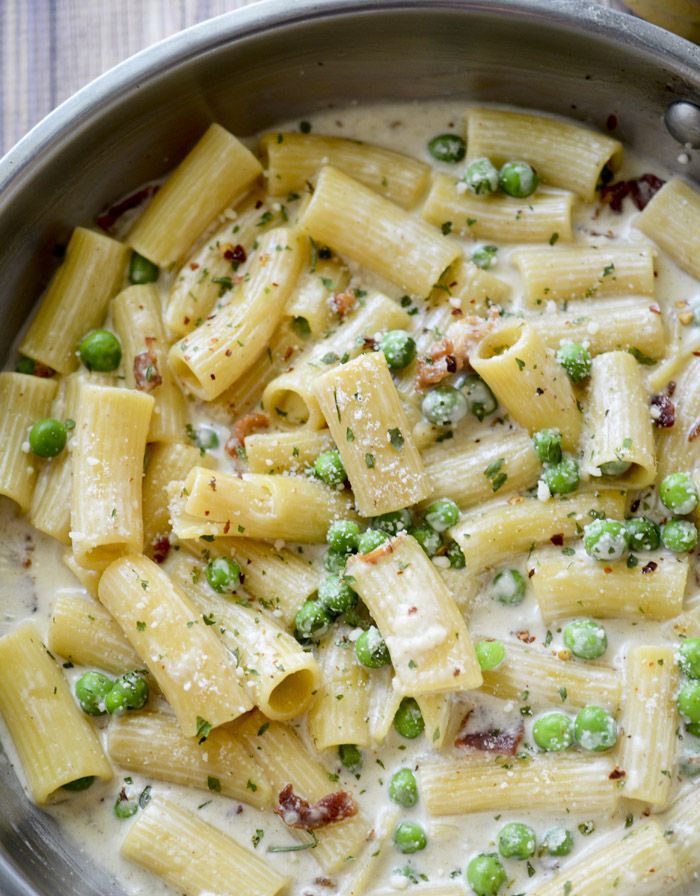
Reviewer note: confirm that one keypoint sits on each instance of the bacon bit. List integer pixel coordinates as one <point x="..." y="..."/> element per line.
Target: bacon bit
<point x="639" y="189"/>
<point x="296" y="812"/>
<point x="611" y="122"/>
<point x="324" y="882"/>
<point x="505" y="743"/>
<point x="557" y="539"/>
<point x="694" y="431"/>
<point x="412" y="610"/>
<point x="655" y="309"/>
<point x="369" y="343"/>
<point x="525" y="637"/>
<point x="663" y="411"/>
<point x="617" y="773"/>
<point x="343" y="302"/>
<point x="650" y="567"/>
<point x="451" y="354"/>
<point x="160" y="548"/>
<point x="242" y="428"/>
<point x="146" y="371"/>
<point x="607" y="570"/>
<point x="108" y="219"/>
<point x="43" y="371"/>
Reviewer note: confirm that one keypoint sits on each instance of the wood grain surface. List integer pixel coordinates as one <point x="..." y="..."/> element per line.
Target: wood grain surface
<point x="49" y="49"/>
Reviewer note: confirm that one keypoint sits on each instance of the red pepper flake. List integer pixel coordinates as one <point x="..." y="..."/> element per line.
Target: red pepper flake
<point x="607" y="570"/>
<point x="146" y="373"/>
<point x="227" y="526"/>
<point x="108" y="219"/>
<point x="650" y="567"/>
<point x="297" y="812"/>
<point x="492" y="740"/>
<point x="412" y="610"/>
<point x="617" y="773"/>
<point x="160" y="548"/>
<point x="369" y="343"/>
<point x="530" y="573"/>
<point x="525" y="637"/>
<point x="654" y="308"/>
<point x="557" y="539"/>
<point x="235" y="254"/>
<point x="694" y="431"/>
<point x="194" y="265"/>
<point x="663" y="411"/>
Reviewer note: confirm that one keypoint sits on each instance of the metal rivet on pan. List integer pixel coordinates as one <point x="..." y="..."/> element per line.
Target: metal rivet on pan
<point x="683" y="122"/>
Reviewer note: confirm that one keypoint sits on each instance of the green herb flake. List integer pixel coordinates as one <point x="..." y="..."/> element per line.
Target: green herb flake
<point x="369" y="460"/>
<point x="214" y="784"/>
<point x="396" y="439"/>
<point x="203" y="729"/>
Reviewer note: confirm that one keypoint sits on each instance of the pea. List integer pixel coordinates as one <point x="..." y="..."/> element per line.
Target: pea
<point x="558" y="841"/>
<point x="100" y="350"/>
<point x="553" y="732"/>
<point x="454" y="554"/>
<point x="311" y="621"/>
<point x="427" y="538"/>
<point x="91" y="690"/>
<point x="605" y="539"/>
<point x="586" y="638"/>
<point x="394" y="522"/>
<point x="490" y="654"/>
<point x="689" y="657"/>
<point x="442" y="514"/>
<point x="403" y="788"/>
<point x="481" y="177"/>
<point x="47" y="437"/>
<point x="595" y="729"/>
<point x="563" y="477"/>
<point x="343" y="536"/>
<point x="141" y="270"/>
<point x="679" y="536"/>
<point x="399" y="348"/>
<point x="642" y="534"/>
<point x="79" y="784"/>
<point x="408" y="720"/>
<point x="486" y="874"/>
<point x="371" y="539"/>
<point x="223" y="574"/>
<point x="128" y="692"/>
<point x="358" y="616"/>
<point x="614" y="467"/>
<point x="693" y="728"/>
<point x="25" y="365"/>
<point x="480" y="399"/>
<point x="125" y="807"/>
<point x="336" y="596"/>
<point x="576" y="361"/>
<point x="447" y="148"/>
<point x="517" y="841"/>
<point x="444" y="405"/>
<point x="689" y="701"/>
<point x="518" y="179"/>
<point x="409" y="837"/>
<point x="679" y="493"/>
<point x="329" y="468"/>
<point x="371" y="650"/>
<point x="508" y="587"/>
<point x="484" y="256"/>
<point x="547" y="444"/>
<point x="350" y="757"/>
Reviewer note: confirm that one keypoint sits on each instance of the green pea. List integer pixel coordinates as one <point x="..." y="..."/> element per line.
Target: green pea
<point x="409" y="837"/>
<point x="447" y="148"/>
<point x="334" y="560"/>
<point x="679" y="493"/>
<point x="689" y="701"/>
<point x="311" y="621"/>
<point x="329" y="468"/>
<point x="563" y="477"/>
<point x="350" y="757"/>
<point x="586" y="638"/>
<point x="484" y="256"/>
<point x="517" y="841"/>
<point x="128" y="692"/>
<point x="614" y="467"/>
<point x="490" y="654"/>
<point x="444" y="406"/>
<point x="358" y="616"/>
<point x="508" y="587"/>
<point x="595" y="729"/>
<point x="689" y="657"/>
<point x="553" y="732"/>
<point x="547" y="444"/>
<point x="605" y="539"/>
<point x="100" y="350"/>
<point x="576" y="361"/>
<point x="481" y="177"/>
<point x="403" y="788"/>
<point x="455" y="555"/>
<point x="693" y="728"/>
<point x="518" y="179"/>
<point x="427" y="538"/>
<point x="486" y="874"/>
<point x="480" y="399"/>
<point x="399" y="348"/>
<point x="47" y="437"/>
<point x="394" y="522"/>
<point x="25" y="365"/>
<point x="679" y="536"/>
<point x="343" y="535"/>
<point x="558" y="841"/>
<point x="371" y="650"/>
<point x="141" y="270"/>
<point x="223" y="574"/>
<point x="371" y="539"/>
<point x="79" y="784"/>
<point x="642" y="534"/>
<point x="336" y="596"/>
<point x="125" y="807"/>
<point x="442" y="514"/>
<point x="408" y="720"/>
<point x="91" y="690"/>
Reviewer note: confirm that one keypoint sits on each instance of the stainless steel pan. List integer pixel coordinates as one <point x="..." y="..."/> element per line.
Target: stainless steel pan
<point x="283" y="59"/>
